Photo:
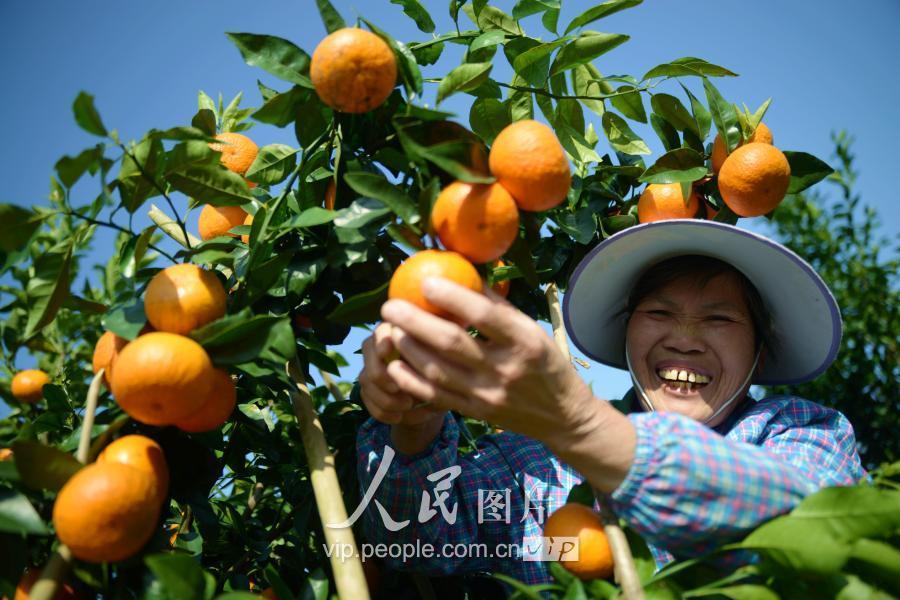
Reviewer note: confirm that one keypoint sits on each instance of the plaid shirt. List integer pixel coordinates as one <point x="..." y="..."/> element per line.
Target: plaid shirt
<point x="690" y="487"/>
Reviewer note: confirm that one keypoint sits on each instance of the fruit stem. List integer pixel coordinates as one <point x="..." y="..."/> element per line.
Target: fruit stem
<point x="626" y="573"/>
<point x="348" y="574"/>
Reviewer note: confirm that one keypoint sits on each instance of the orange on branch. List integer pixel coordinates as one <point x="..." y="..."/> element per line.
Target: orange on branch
<point x="528" y="160"/>
<point x="353" y="70"/>
<point x="161" y="378"/>
<point x="216" y="409"/>
<point x="183" y="297"/>
<point x="761" y="134"/>
<point x="215" y="221"/>
<point x="330" y="195"/>
<point x="248" y="220"/>
<point x="406" y="283"/>
<point x="30" y="577"/>
<point x="106" y="352"/>
<point x="144" y="454"/>
<point x="754" y="179"/>
<point x="28" y="385"/>
<point x="480" y="221"/>
<point x="6" y="454"/>
<point x="595" y="558"/>
<point x="238" y="151"/>
<point x="661" y="201"/>
<point x="106" y="512"/>
<point x="501" y="288"/>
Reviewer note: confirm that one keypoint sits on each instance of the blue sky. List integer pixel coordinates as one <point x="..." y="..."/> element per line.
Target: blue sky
<point x="825" y="68"/>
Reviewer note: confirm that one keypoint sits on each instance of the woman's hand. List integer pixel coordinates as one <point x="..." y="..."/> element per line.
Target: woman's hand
<point x="516" y="378"/>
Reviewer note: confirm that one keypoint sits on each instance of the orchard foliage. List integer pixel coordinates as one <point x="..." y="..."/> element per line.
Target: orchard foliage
<point x="241" y="513"/>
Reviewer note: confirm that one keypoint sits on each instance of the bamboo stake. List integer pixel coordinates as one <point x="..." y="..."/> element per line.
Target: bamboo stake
<point x="348" y="574"/>
<point x="60" y="563"/>
<point x="626" y="573"/>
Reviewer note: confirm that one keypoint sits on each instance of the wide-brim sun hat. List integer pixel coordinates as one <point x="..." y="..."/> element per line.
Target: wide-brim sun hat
<point x="805" y="316"/>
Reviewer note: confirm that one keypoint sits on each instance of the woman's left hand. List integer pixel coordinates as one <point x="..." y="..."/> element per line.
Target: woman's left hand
<point x="516" y="378"/>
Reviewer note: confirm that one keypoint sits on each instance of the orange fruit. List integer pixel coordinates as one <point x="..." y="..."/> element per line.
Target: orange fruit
<point x="217" y="220"/>
<point x="106" y="512"/>
<point x="595" y="558"/>
<point x="501" y="288"/>
<point x="183" y="297"/>
<point x="6" y="454"/>
<point x="30" y="577"/>
<point x="528" y="160"/>
<point x="106" y="352"/>
<point x="754" y="179"/>
<point x="330" y="195"/>
<point x="353" y="70"/>
<point x="269" y="594"/>
<point x="661" y="201"/>
<point x="28" y="385"/>
<point x="480" y="221"/>
<point x="141" y="453"/>
<point x="216" y="409"/>
<point x="238" y="151"/>
<point x="161" y="378"/>
<point x="761" y="134"/>
<point x="248" y="220"/>
<point x="406" y="283"/>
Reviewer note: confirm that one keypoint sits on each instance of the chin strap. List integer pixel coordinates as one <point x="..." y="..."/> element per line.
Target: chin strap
<point x="734" y="396"/>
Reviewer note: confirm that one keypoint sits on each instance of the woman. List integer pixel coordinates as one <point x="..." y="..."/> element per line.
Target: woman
<point x="696" y="312"/>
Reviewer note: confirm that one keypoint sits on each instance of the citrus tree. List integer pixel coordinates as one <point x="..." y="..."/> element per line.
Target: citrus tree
<point x="183" y="435"/>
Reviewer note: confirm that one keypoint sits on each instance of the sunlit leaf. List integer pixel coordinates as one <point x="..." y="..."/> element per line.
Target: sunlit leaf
<point x="276" y="55"/>
<point x="86" y="114"/>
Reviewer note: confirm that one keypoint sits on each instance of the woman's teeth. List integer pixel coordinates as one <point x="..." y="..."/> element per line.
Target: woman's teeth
<point x="682" y="379"/>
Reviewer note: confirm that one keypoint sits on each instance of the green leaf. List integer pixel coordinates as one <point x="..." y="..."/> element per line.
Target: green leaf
<point x="43" y="467"/>
<point x="462" y="78"/>
<point x="281" y="109"/>
<point x="533" y="64"/>
<point x="243" y="337"/>
<point x="361" y="308"/>
<point x="70" y="169"/>
<point x="316" y="119"/>
<point x="737" y="592"/>
<point x="17" y="226"/>
<point x="587" y="81"/>
<point x="45" y="297"/>
<point x="676" y="166"/>
<point x="418" y="13"/>
<point x="331" y="18"/>
<point x="526" y="8"/>
<point x="126" y="320"/>
<point x="313" y="216"/>
<point x="315" y="587"/>
<point x="877" y="561"/>
<point x="275" y="55"/>
<point x="550" y="20"/>
<point x="687" y="66"/>
<point x="406" y="61"/>
<point x="666" y="133"/>
<point x="585" y="48"/>
<point x="375" y="186"/>
<point x="701" y="114"/>
<point x="182" y="134"/>
<point x="806" y="171"/>
<point x="488" y="117"/>
<point x="598" y="12"/>
<point x="138" y="175"/>
<point x="273" y="164"/>
<point x="521" y="103"/>
<point x="723" y="115"/>
<point x="581" y="494"/>
<point x="621" y="137"/>
<point x="361" y="212"/>
<point x="487" y="39"/>
<point x="672" y="110"/>
<point x="205" y="121"/>
<point x="576" y="145"/>
<point x="211" y="184"/>
<point x="629" y="103"/>
<point x="138" y="248"/>
<point x="179" y="575"/>
<point x="86" y="114"/>
<point x="17" y="515"/>
<point x="493" y="18"/>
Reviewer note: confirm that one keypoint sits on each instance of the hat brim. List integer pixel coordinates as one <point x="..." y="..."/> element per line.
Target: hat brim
<point x="805" y="315"/>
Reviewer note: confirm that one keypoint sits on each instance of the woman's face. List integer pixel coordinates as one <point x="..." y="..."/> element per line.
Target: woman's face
<point x="691" y="346"/>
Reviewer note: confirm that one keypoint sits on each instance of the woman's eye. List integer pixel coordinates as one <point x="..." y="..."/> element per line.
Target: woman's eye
<point x="718" y="318"/>
<point x="658" y="313"/>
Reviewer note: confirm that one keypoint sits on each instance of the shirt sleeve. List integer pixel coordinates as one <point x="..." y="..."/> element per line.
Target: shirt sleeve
<point x="400" y="495"/>
<point x="689" y="488"/>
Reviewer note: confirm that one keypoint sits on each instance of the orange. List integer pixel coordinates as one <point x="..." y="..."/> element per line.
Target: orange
<point x="269" y="594"/>
<point x="30" y="577"/>
<point x="528" y="160"/>
<point x="238" y="151"/>
<point x="28" y="385"/>
<point x="501" y="288"/>
<point x="754" y="179"/>
<point x="761" y="134"/>
<point x="183" y="297"/>
<point x="161" y="378"/>
<point x="480" y="221"/>
<point x="248" y="220"/>
<point x="595" y="558"/>
<point x="406" y="283"/>
<point x="353" y="70"/>
<point x="106" y="512"/>
<point x="217" y="220"/>
<point x="106" y="352"/>
<point x="330" y="195"/>
<point x="141" y="453"/>
<point x="6" y="454"/>
<point x="216" y="409"/>
<point x="661" y="201"/>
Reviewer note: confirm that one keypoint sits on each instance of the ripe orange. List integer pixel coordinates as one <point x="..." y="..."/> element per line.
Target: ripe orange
<point x="30" y="577"/>
<point x="661" y="201"/>
<point x="406" y="283"/>
<point x="528" y="160"/>
<point x="141" y="453"/>
<point x="480" y="221"/>
<point x="594" y="554"/>
<point x="353" y="70"/>
<point x="754" y="179"/>
<point x="761" y="134"/>
<point x="501" y="288"/>
<point x="106" y="352"/>
<point x="238" y="151"/>
<point x="269" y="594"/>
<point x="161" y="378"/>
<point x="248" y="220"/>
<point x="217" y="220"/>
<point x="28" y="385"/>
<point x="183" y="297"/>
<point x="6" y="454"/>
<point x="216" y="409"/>
<point x="106" y="512"/>
<point x="330" y="195"/>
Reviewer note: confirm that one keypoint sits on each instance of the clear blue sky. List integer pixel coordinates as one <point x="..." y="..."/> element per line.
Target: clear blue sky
<point x="825" y="66"/>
